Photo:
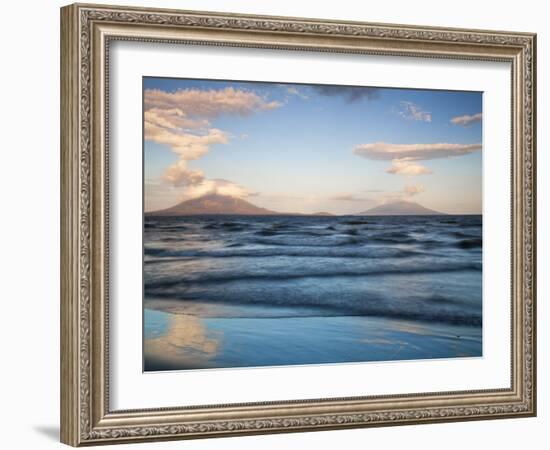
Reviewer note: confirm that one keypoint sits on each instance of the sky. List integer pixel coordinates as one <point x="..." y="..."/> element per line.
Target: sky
<point x="304" y="148"/>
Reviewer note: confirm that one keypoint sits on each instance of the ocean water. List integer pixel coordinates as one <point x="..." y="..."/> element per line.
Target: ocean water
<point x="238" y="291"/>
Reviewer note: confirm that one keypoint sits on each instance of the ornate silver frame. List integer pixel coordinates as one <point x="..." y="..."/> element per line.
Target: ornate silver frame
<point x="86" y="32"/>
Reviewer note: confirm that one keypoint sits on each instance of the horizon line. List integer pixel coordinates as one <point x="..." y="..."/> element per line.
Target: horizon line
<point x="317" y="213"/>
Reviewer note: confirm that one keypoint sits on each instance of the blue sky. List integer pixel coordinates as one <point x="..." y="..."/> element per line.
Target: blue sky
<point x="307" y="148"/>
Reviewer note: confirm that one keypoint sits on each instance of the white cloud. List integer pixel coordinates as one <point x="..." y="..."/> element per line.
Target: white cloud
<point x="179" y="120"/>
<point x="466" y="119"/>
<point x="406" y="167"/>
<point x="216" y="186"/>
<point x="208" y="103"/>
<point x="411" y="111"/>
<point x="403" y="156"/>
<point x="179" y="175"/>
<point x="413" y="152"/>
<point x="413" y="190"/>
<point x="188" y="146"/>
<point x="173" y="118"/>
<point x="291" y="90"/>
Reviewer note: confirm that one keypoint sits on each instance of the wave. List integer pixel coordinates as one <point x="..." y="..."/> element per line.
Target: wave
<point x="414" y="268"/>
<point x="166" y="255"/>
<point x="311" y="273"/>
<point x="357" y="222"/>
<point x="333" y="241"/>
<point x="431" y="308"/>
<point x="227" y="226"/>
<point x="337" y="234"/>
<point x="267" y="233"/>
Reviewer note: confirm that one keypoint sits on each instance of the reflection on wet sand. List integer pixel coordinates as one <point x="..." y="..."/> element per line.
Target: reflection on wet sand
<point x="185" y="341"/>
<point x="412" y="328"/>
<point x="186" y="344"/>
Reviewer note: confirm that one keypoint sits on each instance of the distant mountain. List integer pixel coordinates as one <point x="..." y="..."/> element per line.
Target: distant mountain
<point x="213" y="204"/>
<point x="400" y="208"/>
<point x="216" y="204"/>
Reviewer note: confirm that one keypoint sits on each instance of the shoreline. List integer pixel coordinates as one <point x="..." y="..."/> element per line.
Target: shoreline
<point x="185" y="341"/>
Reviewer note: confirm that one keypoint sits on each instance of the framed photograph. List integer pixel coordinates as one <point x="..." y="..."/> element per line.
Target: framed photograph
<point x="274" y="224"/>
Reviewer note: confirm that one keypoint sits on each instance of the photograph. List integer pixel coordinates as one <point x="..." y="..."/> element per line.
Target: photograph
<point x="296" y="224"/>
<point x="288" y="221"/>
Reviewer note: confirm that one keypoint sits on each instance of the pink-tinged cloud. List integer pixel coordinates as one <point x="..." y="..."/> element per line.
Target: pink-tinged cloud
<point x="216" y="186"/>
<point x="208" y="103"/>
<point x="180" y="120"/>
<point x="179" y="175"/>
<point x="405" y="167"/>
<point x="466" y="119"/>
<point x="403" y="156"/>
<point x="173" y="119"/>
<point x="188" y="146"/>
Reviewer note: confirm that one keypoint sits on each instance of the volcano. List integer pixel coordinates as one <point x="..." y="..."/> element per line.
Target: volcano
<point x="213" y="204"/>
<point x="400" y="208"/>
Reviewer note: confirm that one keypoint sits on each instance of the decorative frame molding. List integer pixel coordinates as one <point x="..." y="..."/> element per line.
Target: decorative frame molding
<point x="86" y="32"/>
